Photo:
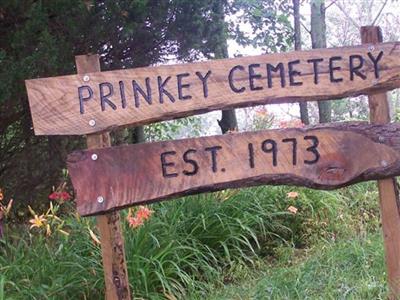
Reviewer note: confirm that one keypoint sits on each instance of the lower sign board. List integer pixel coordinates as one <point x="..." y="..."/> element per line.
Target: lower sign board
<point x="322" y="157"/>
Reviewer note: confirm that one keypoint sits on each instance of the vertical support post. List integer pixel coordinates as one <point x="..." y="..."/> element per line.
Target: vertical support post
<point x="388" y="192"/>
<point x="109" y="225"/>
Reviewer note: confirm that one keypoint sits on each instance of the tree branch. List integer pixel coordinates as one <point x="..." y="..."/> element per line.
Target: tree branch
<point x="379" y="13"/>
<point x="347" y="15"/>
<point x="333" y="2"/>
<point x="304" y="26"/>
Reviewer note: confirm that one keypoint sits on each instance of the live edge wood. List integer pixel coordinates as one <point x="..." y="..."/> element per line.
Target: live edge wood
<point x="109" y="225"/>
<point x="322" y="157"/>
<point x="69" y="104"/>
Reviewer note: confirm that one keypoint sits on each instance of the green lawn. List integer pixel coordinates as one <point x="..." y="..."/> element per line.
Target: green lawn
<point x="348" y="269"/>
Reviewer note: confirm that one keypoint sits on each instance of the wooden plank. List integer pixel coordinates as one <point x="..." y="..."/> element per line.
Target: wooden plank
<point x="388" y="192"/>
<point x="109" y="225"/>
<point x="93" y="102"/>
<point x="323" y="157"/>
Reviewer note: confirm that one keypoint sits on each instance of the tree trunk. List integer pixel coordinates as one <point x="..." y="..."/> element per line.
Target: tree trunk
<point x="318" y="39"/>
<point x="297" y="46"/>
<point x="138" y="135"/>
<point x="133" y="135"/>
<point x="228" y="120"/>
<point x="119" y="136"/>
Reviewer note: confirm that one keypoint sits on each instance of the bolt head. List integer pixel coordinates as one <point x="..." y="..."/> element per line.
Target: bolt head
<point x="100" y="199"/>
<point x="94" y="156"/>
<point x="384" y="163"/>
<point x="371" y="48"/>
<point x="86" y="78"/>
<point x="92" y="123"/>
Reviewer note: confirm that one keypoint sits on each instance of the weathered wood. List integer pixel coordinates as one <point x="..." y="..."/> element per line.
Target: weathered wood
<point x="388" y="192"/>
<point x="109" y="225"/>
<point x="323" y="157"/>
<point x="65" y="105"/>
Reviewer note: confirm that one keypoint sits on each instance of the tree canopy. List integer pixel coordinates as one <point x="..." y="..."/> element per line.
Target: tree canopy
<point x="41" y="38"/>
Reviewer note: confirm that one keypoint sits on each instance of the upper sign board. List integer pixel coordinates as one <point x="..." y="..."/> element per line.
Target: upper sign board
<point x="322" y="157"/>
<point x="89" y="103"/>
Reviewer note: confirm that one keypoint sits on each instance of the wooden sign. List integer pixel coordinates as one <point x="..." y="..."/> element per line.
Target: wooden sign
<point x="323" y="157"/>
<point x="93" y="102"/>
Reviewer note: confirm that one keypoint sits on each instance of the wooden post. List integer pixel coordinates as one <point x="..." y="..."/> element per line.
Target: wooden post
<point x="388" y="192"/>
<point x="112" y="241"/>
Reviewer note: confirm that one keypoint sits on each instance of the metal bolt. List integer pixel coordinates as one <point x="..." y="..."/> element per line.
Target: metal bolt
<point x="94" y="156"/>
<point x="381" y="139"/>
<point x="100" y="199"/>
<point x="371" y="48"/>
<point x="375" y="82"/>
<point x="86" y="78"/>
<point x="92" y="123"/>
<point x="384" y="163"/>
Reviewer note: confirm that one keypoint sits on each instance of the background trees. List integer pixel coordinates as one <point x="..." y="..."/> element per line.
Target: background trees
<point x="41" y="38"/>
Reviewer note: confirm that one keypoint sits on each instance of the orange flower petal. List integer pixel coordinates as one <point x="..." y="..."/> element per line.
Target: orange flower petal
<point x="292" y="194"/>
<point x="292" y="209"/>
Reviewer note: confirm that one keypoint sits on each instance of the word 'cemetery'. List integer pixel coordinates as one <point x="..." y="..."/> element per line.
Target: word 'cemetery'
<point x="172" y="88"/>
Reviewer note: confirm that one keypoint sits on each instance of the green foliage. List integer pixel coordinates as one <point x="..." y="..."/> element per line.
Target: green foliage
<point x="40" y="39"/>
<point x="199" y="28"/>
<point x="2" y="294"/>
<point x="347" y="269"/>
<point x="194" y="245"/>
<point x="338" y="251"/>
<point x="185" y="245"/>
<point x="262" y="119"/>
<point x="350" y="110"/>
<point x="187" y="127"/>
<point x="351" y="269"/>
<point x="33" y="44"/>
<point x="203" y="26"/>
<point x="51" y="268"/>
<point x="270" y="23"/>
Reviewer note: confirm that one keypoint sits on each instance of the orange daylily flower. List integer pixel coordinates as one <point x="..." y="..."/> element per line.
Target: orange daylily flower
<point x="292" y="209"/>
<point x="134" y="222"/>
<point x="37" y="221"/>
<point x="292" y="195"/>
<point x="143" y="213"/>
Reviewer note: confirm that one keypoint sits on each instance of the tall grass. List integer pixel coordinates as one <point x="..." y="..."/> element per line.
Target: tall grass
<point x="188" y="247"/>
<point x="190" y="242"/>
<point x="346" y="269"/>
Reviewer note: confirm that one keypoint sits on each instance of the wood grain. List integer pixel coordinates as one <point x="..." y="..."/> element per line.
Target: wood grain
<point x="388" y="191"/>
<point x="136" y="174"/>
<point x="56" y="109"/>
<point x="109" y="225"/>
